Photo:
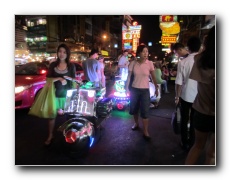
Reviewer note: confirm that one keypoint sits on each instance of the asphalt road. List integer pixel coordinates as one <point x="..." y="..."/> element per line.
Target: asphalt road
<point x="118" y="145"/>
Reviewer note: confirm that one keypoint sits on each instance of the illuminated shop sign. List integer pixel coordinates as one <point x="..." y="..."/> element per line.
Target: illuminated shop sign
<point x="168" y="39"/>
<point x="104" y="53"/>
<point x="168" y="18"/>
<point x="170" y="27"/>
<point x="135" y="27"/>
<point x="135" y="23"/>
<point x="127" y="46"/>
<point x="127" y="35"/>
<point x="135" y="44"/>
<point x="166" y="49"/>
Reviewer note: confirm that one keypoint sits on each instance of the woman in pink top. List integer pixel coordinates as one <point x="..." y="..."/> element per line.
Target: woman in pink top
<point x="139" y="93"/>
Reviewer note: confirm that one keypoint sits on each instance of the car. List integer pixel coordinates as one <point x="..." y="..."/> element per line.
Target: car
<point x="79" y="71"/>
<point x="30" y="78"/>
<point x="20" y="61"/>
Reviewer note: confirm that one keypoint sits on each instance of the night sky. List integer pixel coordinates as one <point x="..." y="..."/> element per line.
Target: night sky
<point x="151" y="31"/>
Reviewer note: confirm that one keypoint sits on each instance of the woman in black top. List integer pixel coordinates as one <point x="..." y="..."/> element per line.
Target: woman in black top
<point x="57" y="70"/>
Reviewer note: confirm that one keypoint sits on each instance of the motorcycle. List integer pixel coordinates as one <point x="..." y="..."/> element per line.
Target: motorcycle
<point x="86" y="107"/>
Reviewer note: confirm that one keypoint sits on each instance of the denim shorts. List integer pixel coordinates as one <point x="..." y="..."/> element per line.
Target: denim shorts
<point x="203" y="122"/>
<point x="139" y="100"/>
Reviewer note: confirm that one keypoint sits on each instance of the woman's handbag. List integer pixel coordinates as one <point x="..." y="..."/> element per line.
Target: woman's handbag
<point x="44" y="105"/>
<point x="131" y="78"/>
<point x="176" y="120"/>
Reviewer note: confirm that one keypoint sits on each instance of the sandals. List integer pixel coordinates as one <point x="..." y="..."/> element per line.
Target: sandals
<point x="135" y="127"/>
<point x="48" y="142"/>
<point x="147" y="138"/>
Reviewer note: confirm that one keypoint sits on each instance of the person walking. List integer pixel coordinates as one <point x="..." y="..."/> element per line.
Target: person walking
<point x="123" y="64"/>
<point x="203" y="72"/>
<point x="142" y="68"/>
<point x="58" y="71"/>
<point x="91" y="66"/>
<point x="186" y="91"/>
<point x="180" y="50"/>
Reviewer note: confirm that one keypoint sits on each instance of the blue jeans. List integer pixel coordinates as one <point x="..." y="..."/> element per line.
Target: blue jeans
<point x="164" y="83"/>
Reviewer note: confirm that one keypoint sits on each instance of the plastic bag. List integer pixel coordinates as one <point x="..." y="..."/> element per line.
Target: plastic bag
<point x="44" y="105"/>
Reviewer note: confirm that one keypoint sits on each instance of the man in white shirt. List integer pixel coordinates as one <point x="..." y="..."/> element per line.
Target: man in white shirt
<point x="123" y="63"/>
<point x="186" y="91"/>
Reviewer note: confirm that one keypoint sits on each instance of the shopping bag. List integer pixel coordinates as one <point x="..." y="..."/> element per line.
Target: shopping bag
<point x="176" y="120"/>
<point x="44" y="105"/>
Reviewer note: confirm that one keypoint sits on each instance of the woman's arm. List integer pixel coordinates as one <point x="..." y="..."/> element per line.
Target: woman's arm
<point x="154" y="82"/>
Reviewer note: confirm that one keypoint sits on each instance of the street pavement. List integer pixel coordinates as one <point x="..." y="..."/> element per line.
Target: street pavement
<point x="119" y="145"/>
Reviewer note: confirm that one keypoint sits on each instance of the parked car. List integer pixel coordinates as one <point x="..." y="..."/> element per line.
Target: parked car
<point x="30" y="78"/>
<point x="20" y="61"/>
<point x="79" y="71"/>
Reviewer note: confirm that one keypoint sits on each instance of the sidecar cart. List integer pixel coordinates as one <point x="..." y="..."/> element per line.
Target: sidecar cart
<point x="85" y="109"/>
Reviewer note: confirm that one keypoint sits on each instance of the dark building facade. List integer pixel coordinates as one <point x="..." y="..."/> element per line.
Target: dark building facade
<point x="79" y="32"/>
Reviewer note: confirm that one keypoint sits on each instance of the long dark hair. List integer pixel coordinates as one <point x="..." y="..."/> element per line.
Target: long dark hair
<point x="207" y="60"/>
<point x="67" y="60"/>
<point x="140" y="49"/>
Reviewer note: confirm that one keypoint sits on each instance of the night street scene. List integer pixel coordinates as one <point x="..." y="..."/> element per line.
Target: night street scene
<point x="95" y="127"/>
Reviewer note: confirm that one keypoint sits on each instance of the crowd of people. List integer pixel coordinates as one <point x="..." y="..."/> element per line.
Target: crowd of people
<point x="194" y="89"/>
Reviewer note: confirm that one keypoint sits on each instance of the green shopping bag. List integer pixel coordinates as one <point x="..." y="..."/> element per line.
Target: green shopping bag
<point x="44" y="105"/>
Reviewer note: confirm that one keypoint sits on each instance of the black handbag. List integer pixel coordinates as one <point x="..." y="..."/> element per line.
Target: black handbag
<point x="131" y="78"/>
<point x="176" y="120"/>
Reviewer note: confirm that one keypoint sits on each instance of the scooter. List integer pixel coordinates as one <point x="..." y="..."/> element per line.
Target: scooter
<point x="120" y="98"/>
<point x="85" y="109"/>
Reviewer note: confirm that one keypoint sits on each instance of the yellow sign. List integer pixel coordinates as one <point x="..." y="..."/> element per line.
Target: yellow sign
<point x="170" y="27"/>
<point x="168" y="39"/>
<point x="104" y="53"/>
<point x="127" y="35"/>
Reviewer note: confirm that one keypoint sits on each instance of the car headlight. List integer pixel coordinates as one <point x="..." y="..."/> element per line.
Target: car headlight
<point x="19" y="89"/>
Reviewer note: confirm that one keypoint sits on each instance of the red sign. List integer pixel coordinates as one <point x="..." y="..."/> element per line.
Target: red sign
<point x="135" y="23"/>
<point x="168" y="18"/>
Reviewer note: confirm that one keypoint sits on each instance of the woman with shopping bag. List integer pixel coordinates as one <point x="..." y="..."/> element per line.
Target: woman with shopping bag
<point x="51" y="100"/>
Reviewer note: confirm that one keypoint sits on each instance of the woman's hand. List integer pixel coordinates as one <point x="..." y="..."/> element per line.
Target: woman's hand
<point x="68" y="78"/>
<point x="63" y="81"/>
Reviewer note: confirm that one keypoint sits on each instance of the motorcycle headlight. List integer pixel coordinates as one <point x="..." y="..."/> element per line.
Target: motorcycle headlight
<point x="19" y="89"/>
